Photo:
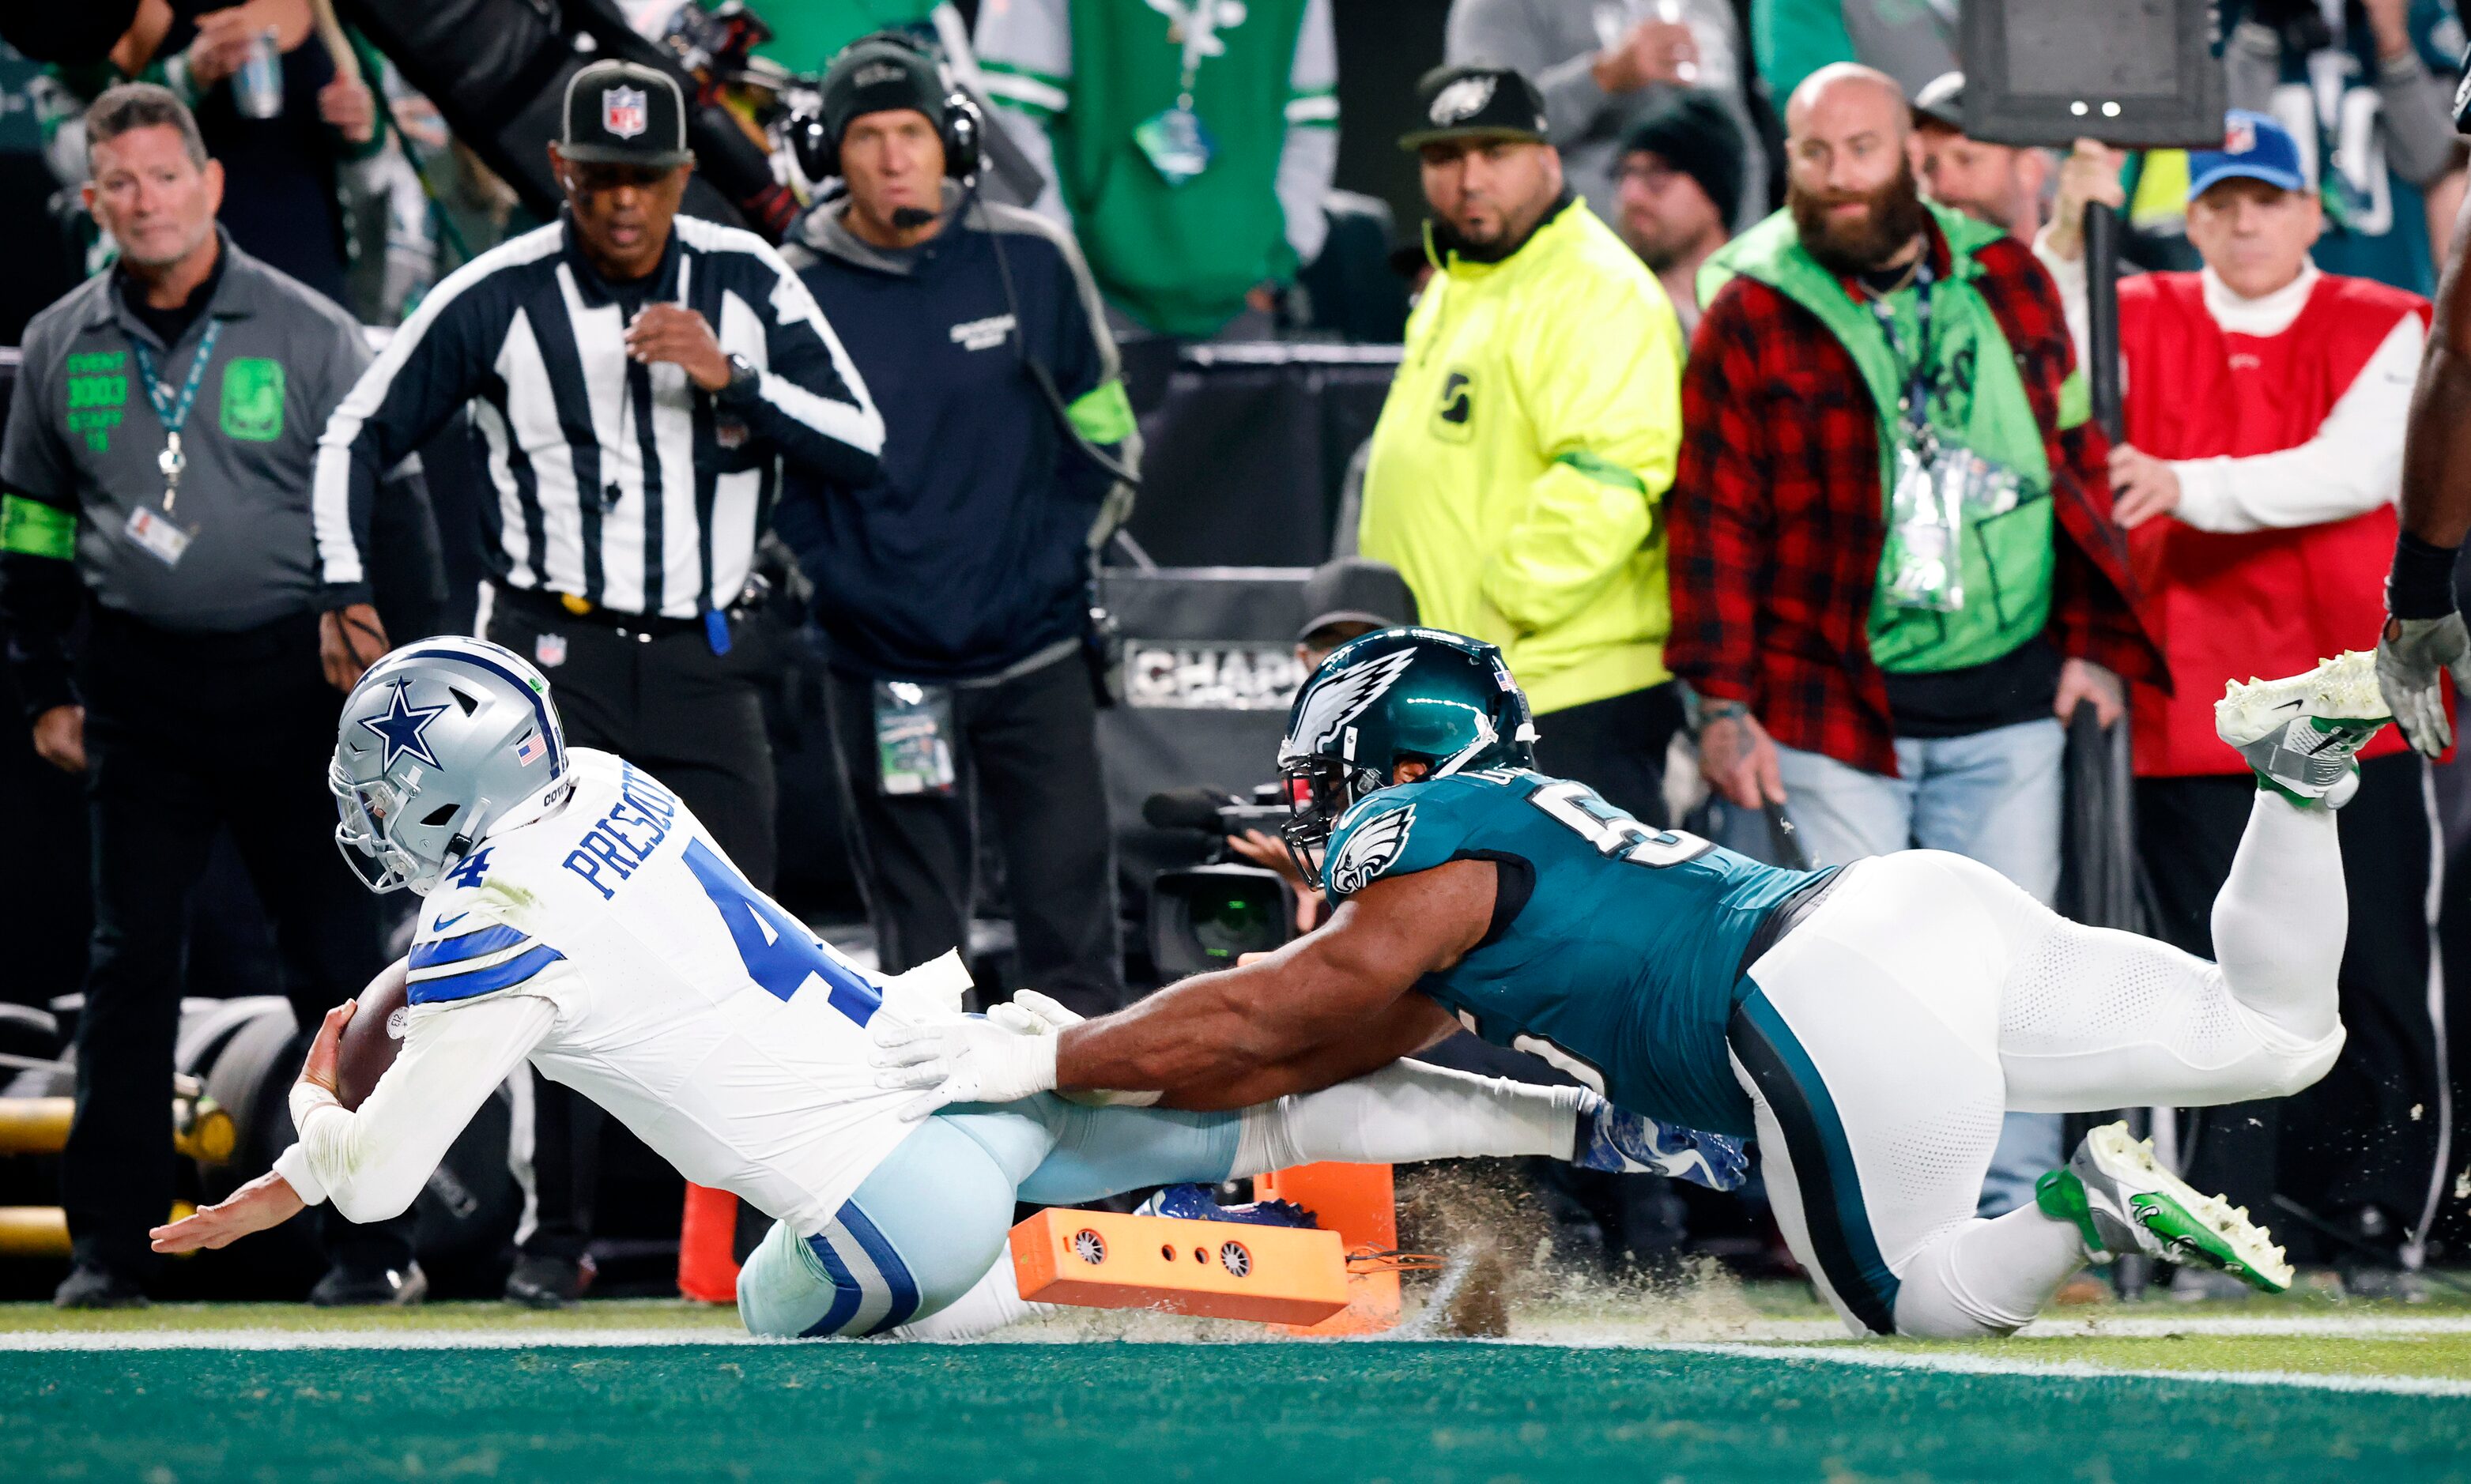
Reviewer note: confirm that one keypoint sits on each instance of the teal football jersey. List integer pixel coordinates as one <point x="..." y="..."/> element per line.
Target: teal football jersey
<point x="1614" y="948"/>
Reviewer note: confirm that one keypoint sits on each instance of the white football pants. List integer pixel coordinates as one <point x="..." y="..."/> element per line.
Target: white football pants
<point x="1927" y="996"/>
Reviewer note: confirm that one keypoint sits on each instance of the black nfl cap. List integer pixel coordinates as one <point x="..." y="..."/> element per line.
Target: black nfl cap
<point x="1356" y="590"/>
<point x="1942" y="101"/>
<point x="1463" y="103"/>
<point x="619" y="114"/>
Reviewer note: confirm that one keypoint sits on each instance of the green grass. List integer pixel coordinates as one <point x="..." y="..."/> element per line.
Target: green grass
<point x="1080" y="1404"/>
<point x="1438" y="1413"/>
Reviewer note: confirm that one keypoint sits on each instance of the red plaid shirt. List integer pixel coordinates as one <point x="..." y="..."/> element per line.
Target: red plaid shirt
<point x="1777" y="518"/>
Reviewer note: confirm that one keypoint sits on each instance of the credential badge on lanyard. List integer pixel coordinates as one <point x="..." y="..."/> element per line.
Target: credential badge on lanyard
<point x="1174" y="140"/>
<point x="156" y="533"/>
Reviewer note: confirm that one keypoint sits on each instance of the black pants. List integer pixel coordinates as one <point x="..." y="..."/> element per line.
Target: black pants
<point x="694" y="720"/>
<point x="1029" y="749"/>
<point x="2367" y="1134"/>
<point x="186" y="735"/>
<point x="1617" y="747"/>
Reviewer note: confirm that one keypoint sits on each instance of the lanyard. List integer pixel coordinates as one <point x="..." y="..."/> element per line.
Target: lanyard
<point x="1198" y="22"/>
<point x="174" y="413"/>
<point x="1918" y="381"/>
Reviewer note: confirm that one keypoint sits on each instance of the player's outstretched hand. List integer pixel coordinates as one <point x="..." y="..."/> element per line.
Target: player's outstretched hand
<point x="2414" y="657"/>
<point x="962" y="1059"/>
<point x="1029" y="1011"/>
<point x="268" y="1200"/>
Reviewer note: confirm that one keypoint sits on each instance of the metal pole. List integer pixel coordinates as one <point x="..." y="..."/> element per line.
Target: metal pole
<point x="2102" y="308"/>
<point x="2133" y="1274"/>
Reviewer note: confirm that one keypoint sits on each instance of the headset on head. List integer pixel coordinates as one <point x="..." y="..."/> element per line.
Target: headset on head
<point x="957" y="124"/>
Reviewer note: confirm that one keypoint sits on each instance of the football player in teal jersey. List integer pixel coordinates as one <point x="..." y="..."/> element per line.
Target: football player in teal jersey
<point x="1868" y="1024"/>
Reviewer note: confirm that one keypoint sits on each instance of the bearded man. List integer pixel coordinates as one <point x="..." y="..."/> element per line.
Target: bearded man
<point x="1893" y="563"/>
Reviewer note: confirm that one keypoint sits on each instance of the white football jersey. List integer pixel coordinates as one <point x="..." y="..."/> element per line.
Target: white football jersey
<point x="688" y="1004"/>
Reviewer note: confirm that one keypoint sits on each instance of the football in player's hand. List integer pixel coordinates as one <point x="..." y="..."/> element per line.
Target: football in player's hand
<point x="371" y="1037"/>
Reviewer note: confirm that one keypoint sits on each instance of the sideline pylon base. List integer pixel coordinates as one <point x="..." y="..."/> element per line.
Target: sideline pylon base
<point x="1220" y="1270"/>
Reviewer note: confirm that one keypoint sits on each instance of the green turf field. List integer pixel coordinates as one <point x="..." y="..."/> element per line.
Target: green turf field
<point x="1112" y="1410"/>
<point x="1746" y="1385"/>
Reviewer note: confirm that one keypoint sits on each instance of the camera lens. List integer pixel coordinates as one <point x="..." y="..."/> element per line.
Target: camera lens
<point x="1228" y="921"/>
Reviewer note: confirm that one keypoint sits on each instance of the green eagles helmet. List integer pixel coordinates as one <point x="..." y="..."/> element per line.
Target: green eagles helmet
<point x="1395" y="696"/>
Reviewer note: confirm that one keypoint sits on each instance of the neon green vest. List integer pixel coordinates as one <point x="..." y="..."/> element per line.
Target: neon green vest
<point x="2007" y="558"/>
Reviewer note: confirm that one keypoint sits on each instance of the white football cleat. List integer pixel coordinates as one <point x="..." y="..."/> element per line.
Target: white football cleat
<point x="2302" y="735"/>
<point x="2122" y="1200"/>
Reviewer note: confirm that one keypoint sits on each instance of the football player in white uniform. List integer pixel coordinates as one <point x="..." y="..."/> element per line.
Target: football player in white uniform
<point x="576" y="915"/>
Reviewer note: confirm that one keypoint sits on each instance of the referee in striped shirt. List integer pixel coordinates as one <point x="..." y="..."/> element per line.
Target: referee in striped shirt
<point x="637" y="379"/>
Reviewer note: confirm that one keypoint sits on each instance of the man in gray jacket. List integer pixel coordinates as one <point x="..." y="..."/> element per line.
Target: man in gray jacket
<point x="1602" y="64"/>
<point x="156" y="479"/>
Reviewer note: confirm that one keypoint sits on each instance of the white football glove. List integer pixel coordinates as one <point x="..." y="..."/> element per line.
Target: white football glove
<point x="2411" y="667"/>
<point x="1027" y="1010"/>
<point x="960" y="1058"/>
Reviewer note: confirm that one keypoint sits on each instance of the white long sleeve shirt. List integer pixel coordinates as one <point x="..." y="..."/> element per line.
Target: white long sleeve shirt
<point x="2354" y="462"/>
<point x="614" y="946"/>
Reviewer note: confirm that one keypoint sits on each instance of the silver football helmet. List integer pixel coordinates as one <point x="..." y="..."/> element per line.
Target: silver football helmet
<point x="438" y="741"/>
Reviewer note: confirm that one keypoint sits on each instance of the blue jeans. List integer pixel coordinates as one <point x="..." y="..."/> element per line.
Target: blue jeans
<point x="1993" y="797"/>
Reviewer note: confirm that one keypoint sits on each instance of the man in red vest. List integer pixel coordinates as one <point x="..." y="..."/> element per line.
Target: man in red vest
<point x="2265" y="410"/>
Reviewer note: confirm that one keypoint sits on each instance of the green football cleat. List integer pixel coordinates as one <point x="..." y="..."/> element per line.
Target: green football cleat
<point x="2300" y="734"/>
<point x="2122" y="1201"/>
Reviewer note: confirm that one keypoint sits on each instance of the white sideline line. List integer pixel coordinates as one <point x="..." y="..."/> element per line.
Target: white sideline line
<point x="2146" y="1327"/>
<point x="2074" y="1370"/>
<point x="370" y="1339"/>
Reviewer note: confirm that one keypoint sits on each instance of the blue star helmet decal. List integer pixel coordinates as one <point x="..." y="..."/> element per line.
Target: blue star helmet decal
<point x="401" y="728"/>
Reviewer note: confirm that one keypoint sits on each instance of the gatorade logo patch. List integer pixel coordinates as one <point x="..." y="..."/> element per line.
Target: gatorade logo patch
<point x="1371" y="850"/>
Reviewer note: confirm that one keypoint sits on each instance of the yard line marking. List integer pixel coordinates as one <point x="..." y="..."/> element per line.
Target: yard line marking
<point x="370" y="1339"/>
<point x="2075" y="1370"/>
<point x="2145" y="1326"/>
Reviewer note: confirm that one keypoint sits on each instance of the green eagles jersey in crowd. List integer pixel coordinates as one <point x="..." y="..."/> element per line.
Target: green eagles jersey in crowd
<point x="1616" y="951"/>
<point x="1179" y="258"/>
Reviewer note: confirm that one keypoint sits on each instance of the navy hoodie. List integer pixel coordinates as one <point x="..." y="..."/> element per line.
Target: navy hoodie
<point x="966" y="557"/>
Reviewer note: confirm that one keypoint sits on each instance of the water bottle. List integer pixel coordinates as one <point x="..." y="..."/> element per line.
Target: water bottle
<point x="257" y="88"/>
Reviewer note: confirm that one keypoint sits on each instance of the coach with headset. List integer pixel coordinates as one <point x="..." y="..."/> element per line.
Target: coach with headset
<point x="952" y="587"/>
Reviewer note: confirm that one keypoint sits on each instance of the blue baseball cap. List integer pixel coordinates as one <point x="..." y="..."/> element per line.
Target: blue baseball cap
<point x="2253" y="146"/>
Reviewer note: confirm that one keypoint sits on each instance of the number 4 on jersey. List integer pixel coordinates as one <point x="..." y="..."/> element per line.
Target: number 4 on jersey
<point x="780" y="954"/>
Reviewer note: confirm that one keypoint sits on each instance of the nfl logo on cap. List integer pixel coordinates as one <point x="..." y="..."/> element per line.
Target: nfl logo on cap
<point x="2238" y="137"/>
<point x="624" y="111"/>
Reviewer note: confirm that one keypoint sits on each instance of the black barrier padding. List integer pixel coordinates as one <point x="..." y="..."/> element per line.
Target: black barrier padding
<point x="1244" y="456"/>
<point x="1208" y="674"/>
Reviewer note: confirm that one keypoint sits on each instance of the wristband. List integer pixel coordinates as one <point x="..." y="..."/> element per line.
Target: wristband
<point x="2421" y="584"/>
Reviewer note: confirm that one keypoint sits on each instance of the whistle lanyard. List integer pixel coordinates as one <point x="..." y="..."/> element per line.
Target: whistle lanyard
<point x="1917" y="381"/>
<point x="173" y="411"/>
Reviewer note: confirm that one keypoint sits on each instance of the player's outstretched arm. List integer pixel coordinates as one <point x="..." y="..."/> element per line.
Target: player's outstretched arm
<point x="1330" y="1006"/>
<point x="2437" y="441"/>
<point x="2425" y="640"/>
<point x="270" y="1200"/>
<point x="1325" y="1008"/>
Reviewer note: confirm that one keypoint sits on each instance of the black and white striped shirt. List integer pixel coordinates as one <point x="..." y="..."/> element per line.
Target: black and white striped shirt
<point x="619" y="483"/>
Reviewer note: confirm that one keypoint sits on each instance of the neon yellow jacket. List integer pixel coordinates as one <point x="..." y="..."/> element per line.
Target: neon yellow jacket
<point x="1514" y="475"/>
